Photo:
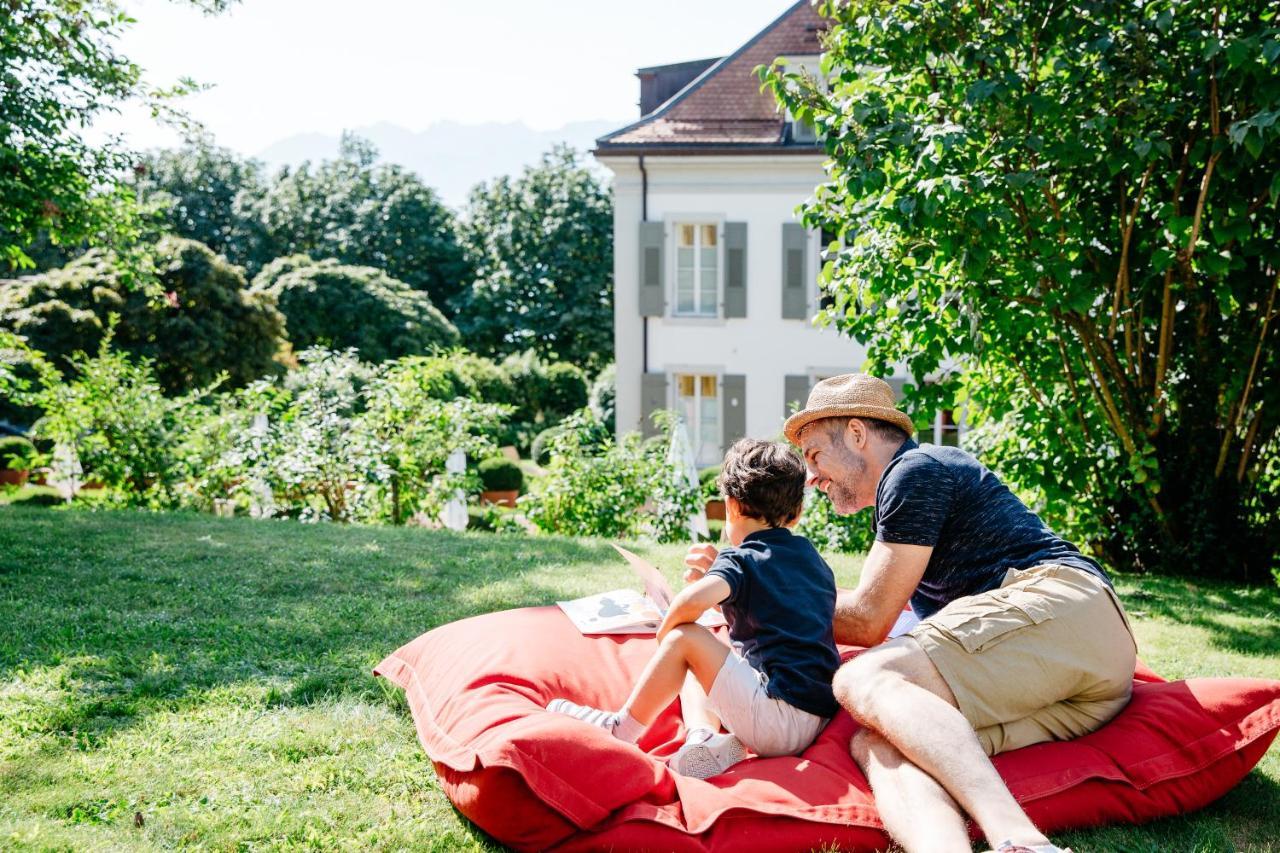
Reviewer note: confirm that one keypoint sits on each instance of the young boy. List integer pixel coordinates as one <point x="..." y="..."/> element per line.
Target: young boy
<point x="772" y="690"/>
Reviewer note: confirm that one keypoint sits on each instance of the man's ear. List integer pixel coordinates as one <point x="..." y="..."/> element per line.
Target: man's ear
<point x="855" y="434"/>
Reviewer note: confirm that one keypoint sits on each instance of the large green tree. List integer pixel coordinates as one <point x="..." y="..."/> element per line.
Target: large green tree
<point x="204" y="321"/>
<point x="369" y="214"/>
<point x="209" y="194"/>
<point x="1066" y="215"/>
<point x="542" y="244"/>
<point x="60" y="67"/>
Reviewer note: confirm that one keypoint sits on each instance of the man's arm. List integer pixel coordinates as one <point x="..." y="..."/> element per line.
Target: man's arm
<point x="692" y="601"/>
<point x="889" y="575"/>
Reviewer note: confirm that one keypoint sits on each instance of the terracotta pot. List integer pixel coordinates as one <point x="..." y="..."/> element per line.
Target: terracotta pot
<point x="13" y="477"/>
<point x="505" y="497"/>
<point x="715" y="510"/>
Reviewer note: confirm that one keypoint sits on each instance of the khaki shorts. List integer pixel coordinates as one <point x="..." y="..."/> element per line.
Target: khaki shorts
<point x="766" y="726"/>
<point x="1047" y="656"/>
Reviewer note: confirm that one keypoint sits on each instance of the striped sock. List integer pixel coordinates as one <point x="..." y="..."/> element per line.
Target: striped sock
<point x="620" y="724"/>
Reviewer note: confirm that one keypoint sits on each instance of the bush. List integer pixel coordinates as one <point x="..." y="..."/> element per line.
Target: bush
<point x="707" y="480"/>
<point x="331" y="305"/>
<point x="206" y="324"/>
<point x="566" y="391"/>
<point x="602" y="394"/>
<point x="499" y="474"/>
<point x="540" y="452"/>
<point x="828" y="530"/>
<point x="17" y="453"/>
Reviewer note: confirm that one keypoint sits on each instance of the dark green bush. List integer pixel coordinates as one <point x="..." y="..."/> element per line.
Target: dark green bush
<point x="16" y="453"/>
<point x="707" y="478"/>
<point x="500" y="474"/>
<point x="601" y="396"/>
<point x="329" y="304"/>
<point x="540" y="452"/>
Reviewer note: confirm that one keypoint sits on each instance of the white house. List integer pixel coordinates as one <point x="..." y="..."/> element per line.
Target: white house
<point x="714" y="277"/>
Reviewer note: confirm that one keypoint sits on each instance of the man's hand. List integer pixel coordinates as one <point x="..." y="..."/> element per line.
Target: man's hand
<point x="698" y="560"/>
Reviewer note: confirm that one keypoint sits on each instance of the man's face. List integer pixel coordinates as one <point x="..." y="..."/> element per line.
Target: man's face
<point x="835" y="467"/>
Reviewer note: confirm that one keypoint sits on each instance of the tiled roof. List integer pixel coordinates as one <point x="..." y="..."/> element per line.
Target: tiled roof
<point x="725" y="106"/>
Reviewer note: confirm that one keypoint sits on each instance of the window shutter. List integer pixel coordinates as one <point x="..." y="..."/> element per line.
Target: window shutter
<point x="653" y="396"/>
<point x="733" y="394"/>
<point x="795" y="391"/>
<point x="652" y="291"/>
<point x="795" y="273"/>
<point x="735" y="273"/>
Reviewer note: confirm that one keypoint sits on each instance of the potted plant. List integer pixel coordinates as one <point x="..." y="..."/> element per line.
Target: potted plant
<point x="17" y="456"/>
<point x="711" y="493"/>
<point x="502" y="480"/>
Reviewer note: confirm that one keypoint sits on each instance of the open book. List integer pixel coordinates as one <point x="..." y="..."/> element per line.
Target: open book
<point x="626" y="611"/>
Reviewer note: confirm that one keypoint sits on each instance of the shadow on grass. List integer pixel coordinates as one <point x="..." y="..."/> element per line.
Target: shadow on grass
<point x="1236" y="618"/>
<point x="130" y="614"/>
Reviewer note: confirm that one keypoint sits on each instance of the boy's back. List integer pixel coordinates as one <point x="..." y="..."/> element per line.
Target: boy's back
<point x="780" y="612"/>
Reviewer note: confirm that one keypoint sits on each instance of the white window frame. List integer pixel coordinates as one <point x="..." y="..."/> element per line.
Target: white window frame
<point x="674" y="373"/>
<point x="959" y="426"/>
<point x="697" y="220"/>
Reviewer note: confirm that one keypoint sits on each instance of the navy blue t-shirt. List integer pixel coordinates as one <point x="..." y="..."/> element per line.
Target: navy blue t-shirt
<point x="780" y="610"/>
<point x="945" y="498"/>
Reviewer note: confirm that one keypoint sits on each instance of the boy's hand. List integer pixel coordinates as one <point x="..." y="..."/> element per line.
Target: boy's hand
<point x="698" y="560"/>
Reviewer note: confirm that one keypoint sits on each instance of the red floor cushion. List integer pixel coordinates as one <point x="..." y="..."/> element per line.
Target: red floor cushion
<point x="534" y="780"/>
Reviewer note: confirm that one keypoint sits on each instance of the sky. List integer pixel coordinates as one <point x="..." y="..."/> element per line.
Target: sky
<point x="284" y="67"/>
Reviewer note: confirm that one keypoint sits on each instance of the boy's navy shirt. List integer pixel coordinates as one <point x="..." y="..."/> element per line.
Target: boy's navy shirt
<point x="780" y="610"/>
<point x="945" y="498"/>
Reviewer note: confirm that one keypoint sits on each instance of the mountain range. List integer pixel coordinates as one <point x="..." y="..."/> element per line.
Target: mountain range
<point x="449" y="156"/>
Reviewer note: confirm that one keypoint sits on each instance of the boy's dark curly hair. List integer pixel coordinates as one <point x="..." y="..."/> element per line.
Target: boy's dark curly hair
<point x="766" y="479"/>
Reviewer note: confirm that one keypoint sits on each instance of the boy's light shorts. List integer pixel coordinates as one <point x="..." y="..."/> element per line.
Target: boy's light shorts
<point x="766" y="726"/>
<point x="1047" y="656"/>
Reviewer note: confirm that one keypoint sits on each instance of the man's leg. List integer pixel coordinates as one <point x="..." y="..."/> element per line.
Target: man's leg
<point x="896" y="690"/>
<point x="916" y="811"/>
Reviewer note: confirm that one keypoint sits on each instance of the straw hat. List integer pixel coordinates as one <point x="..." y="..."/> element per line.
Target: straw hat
<point x="853" y="395"/>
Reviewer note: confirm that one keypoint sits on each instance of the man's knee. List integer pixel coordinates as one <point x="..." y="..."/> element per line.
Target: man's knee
<point x="861" y="744"/>
<point x="867" y="686"/>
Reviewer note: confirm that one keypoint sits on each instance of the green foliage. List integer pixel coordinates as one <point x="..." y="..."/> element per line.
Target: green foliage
<point x="828" y="530"/>
<point x="543" y="392"/>
<point x="203" y="324"/>
<point x="110" y="423"/>
<point x="499" y="474"/>
<point x="17" y="453"/>
<point x="707" y="479"/>
<point x="1069" y="223"/>
<point x="366" y="214"/>
<point x="329" y="304"/>
<point x="542" y="246"/>
<point x="211" y="195"/>
<point x="603" y="394"/>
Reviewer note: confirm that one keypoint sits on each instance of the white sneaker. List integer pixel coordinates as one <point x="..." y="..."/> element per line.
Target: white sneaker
<point x="708" y="757"/>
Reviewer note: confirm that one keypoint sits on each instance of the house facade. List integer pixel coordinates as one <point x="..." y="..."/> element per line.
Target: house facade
<point x="715" y="277"/>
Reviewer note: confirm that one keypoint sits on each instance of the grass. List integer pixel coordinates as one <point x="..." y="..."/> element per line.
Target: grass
<point x="180" y="680"/>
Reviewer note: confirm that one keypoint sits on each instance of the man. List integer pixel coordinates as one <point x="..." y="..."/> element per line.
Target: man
<point x="1023" y="639"/>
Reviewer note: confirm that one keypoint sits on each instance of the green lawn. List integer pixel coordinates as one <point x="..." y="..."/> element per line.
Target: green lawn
<point x="213" y="677"/>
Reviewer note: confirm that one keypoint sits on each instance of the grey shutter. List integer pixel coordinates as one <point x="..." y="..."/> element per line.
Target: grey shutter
<point x="795" y="391"/>
<point x="653" y="396"/>
<point x="733" y="406"/>
<point x="795" y="272"/>
<point x="652" y="290"/>
<point x="735" y="273"/>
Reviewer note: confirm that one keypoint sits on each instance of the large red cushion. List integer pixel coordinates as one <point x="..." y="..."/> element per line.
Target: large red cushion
<point x="477" y="689"/>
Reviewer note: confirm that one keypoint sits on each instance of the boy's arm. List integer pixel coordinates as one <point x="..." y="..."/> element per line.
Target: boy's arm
<point x="692" y="601"/>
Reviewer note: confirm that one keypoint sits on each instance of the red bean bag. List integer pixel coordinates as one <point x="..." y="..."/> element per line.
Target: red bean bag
<point x="534" y="780"/>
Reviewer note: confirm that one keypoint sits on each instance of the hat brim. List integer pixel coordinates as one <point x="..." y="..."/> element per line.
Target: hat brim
<point x="801" y="419"/>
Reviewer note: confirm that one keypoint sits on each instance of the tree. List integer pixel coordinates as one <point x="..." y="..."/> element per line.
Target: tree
<point x="330" y="304"/>
<point x="542" y="245"/>
<point x="212" y="195"/>
<point x="1068" y="219"/>
<point x="366" y="214"/>
<point x="206" y="323"/>
<point x="59" y="68"/>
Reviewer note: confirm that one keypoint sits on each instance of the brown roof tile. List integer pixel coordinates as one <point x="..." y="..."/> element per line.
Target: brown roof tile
<point x="725" y="105"/>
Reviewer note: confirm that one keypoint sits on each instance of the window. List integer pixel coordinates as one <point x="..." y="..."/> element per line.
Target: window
<point x="801" y="132"/>
<point x="697" y="270"/>
<point x="698" y="402"/>
<point x="947" y="428"/>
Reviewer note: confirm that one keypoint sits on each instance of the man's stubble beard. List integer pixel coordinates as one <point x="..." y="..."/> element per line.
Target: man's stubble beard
<point x="844" y="491"/>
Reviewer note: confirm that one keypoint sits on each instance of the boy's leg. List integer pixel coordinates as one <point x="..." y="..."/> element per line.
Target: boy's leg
<point x="693" y="707"/>
<point x="687" y="648"/>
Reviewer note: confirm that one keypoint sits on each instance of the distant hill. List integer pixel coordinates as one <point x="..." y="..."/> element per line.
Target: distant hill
<point x="449" y="156"/>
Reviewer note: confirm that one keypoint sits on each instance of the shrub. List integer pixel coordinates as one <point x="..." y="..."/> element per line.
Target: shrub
<point x="602" y="394"/>
<point x="332" y="305"/>
<point x="499" y="474"/>
<point x="540" y="451"/>
<point x="707" y="480"/>
<point x="828" y="530"/>
<point x="207" y="323"/>
<point x="17" y="453"/>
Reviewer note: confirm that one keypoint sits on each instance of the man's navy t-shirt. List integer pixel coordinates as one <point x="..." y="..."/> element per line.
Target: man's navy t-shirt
<point x="945" y="498"/>
<point x="780" y="610"/>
